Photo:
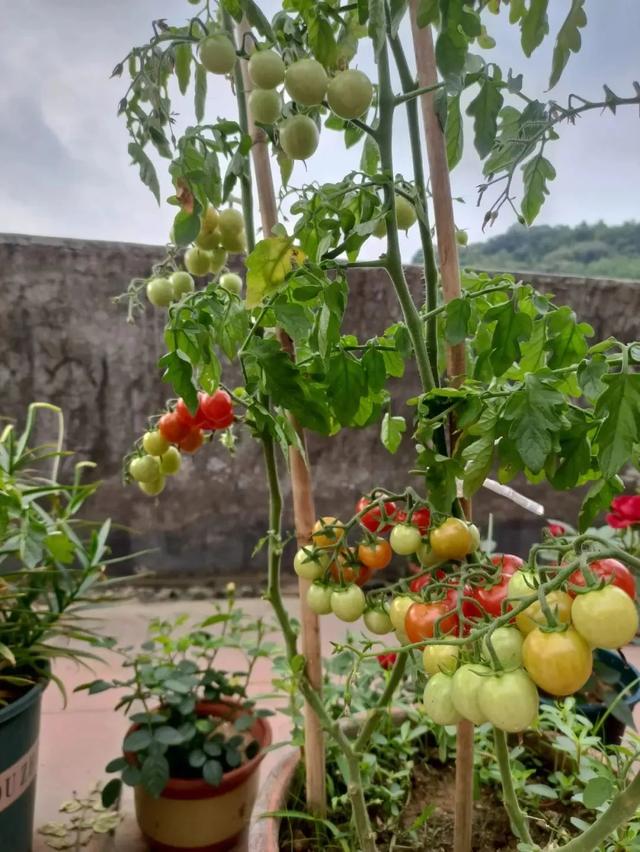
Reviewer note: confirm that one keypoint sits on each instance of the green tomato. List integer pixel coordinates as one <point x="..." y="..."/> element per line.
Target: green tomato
<point x="154" y="443"/>
<point x="440" y="658"/>
<point x="405" y="539"/>
<point x="170" y="461"/>
<point x="398" y="611"/>
<point x="319" y="598"/>
<point x="234" y="243"/>
<point x="181" y="284"/>
<point x="230" y="221"/>
<point x="509" y="700"/>
<point x="522" y="584"/>
<point x="299" y="137"/>
<point x="208" y="240"/>
<point x="462" y="238"/>
<point x="218" y="260"/>
<point x="426" y="556"/>
<point x="197" y="261"/>
<point x="266" y="69"/>
<point x="507" y="645"/>
<point x="231" y="282"/>
<point x="405" y="213"/>
<point x="350" y="93"/>
<point x="153" y="488"/>
<point x="466" y="684"/>
<point x="437" y="700"/>
<point x="144" y="468"/>
<point x="217" y="53"/>
<point x="160" y="292"/>
<point x="348" y="603"/>
<point x="310" y="563"/>
<point x="378" y="621"/>
<point x="306" y="82"/>
<point x="475" y="536"/>
<point x="265" y="105"/>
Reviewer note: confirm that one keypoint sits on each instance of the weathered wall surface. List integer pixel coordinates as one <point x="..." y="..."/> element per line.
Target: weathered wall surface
<point x="63" y="340"/>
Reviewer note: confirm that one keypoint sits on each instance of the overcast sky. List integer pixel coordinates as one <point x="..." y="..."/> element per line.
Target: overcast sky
<point x="64" y="168"/>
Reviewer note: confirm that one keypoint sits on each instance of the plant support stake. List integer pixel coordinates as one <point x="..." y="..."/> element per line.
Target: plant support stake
<point x="450" y="275"/>
<point x="301" y="486"/>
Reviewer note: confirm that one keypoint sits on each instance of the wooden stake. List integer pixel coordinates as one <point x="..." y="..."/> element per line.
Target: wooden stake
<point x="450" y="275"/>
<point x="301" y="486"/>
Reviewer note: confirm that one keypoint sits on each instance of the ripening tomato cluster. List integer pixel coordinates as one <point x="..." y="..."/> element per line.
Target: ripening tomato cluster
<point x="177" y="432"/>
<point x="596" y="610"/>
<point x="340" y="570"/>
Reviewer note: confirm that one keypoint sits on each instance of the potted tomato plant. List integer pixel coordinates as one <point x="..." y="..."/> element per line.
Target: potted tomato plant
<point x="509" y="381"/>
<point x="195" y="740"/>
<point x="51" y="565"/>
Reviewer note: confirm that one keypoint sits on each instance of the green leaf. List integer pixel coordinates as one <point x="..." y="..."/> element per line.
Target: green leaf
<point x="397" y="10"/>
<point x="451" y="52"/>
<point x="428" y="12"/>
<point x="321" y="40"/>
<point x="268" y="266"/>
<point x="512" y="327"/>
<point x="535" y="174"/>
<point x="596" y="792"/>
<point x="147" y="170"/>
<point x="257" y="19"/>
<point x="619" y="410"/>
<point x="590" y="374"/>
<point x="391" y="432"/>
<point x="7" y="654"/>
<point x="295" y="319"/>
<point x="186" y="227"/>
<point x="485" y="108"/>
<point x="286" y="167"/>
<point x="568" y="41"/>
<point x="200" y="95"/>
<point x="137" y="740"/>
<point x="454" y="134"/>
<point x="60" y="546"/>
<point x="183" y="65"/>
<point x="197" y="758"/>
<point x="116" y="765"/>
<point x="370" y="158"/>
<point x="345" y="386"/>
<point x="178" y="372"/>
<point x="154" y="774"/>
<point x="598" y="497"/>
<point x="566" y="338"/>
<point x="167" y="735"/>
<point x="110" y="792"/>
<point x="99" y="686"/>
<point x="534" y="412"/>
<point x="478" y="458"/>
<point x="534" y="25"/>
<point x="377" y="25"/>
<point x="457" y="314"/>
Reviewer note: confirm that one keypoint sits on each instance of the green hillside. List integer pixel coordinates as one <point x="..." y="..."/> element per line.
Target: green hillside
<point x="599" y="250"/>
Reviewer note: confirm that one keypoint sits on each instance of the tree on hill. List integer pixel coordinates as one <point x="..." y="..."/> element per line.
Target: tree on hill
<point x="597" y="250"/>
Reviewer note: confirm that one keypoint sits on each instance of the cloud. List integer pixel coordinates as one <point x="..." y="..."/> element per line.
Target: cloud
<point x="65" y="170"/>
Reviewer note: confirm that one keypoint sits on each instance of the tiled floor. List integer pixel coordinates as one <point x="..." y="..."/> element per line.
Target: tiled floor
<point x="76" y="742"/>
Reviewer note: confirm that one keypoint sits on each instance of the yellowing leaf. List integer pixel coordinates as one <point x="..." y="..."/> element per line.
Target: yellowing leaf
<point x="268" y="265"/>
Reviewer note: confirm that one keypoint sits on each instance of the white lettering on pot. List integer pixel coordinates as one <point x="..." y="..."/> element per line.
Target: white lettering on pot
<point x="16" y="780"/>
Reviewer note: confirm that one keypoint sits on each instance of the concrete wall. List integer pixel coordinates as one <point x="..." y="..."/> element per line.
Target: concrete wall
<point x="63" y="340"/>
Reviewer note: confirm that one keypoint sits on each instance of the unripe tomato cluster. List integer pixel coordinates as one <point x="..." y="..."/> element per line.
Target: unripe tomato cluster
<point x="178" y="431"/>
<point x="221" y="233"/>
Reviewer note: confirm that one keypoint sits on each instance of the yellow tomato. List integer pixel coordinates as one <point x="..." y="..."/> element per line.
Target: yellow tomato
<point x="533" y="616"/>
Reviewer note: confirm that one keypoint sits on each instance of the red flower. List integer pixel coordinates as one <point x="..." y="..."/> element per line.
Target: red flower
<point x="625" y="511"/>
<point x="387" y="661"/>
<point x="556" y="530"/>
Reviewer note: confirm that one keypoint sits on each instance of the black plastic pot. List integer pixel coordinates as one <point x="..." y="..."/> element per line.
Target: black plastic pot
<point x="19" y="730"/>
<point x="612" y="730"/>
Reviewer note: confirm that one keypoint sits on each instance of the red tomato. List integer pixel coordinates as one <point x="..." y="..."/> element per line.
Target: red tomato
<point x="421" y="518"/>
<point x="610" y="570"/>
<point x="424" y="619"/>
<point x="192" y="441"/>
<point x="507" y="562"/>
<point x="419" y="583"/>
<point x="490" y="598"/>
<point x="400" y="517"/>
<point x="217" y="409"/>
<point x="172" y="428"/>
<point x="373" y="520"/>
<point x="345" y="569"/>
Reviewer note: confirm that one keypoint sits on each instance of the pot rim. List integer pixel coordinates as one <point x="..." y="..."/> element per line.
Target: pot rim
<point x="33" y="694"/>
<point x="198" y="788"/>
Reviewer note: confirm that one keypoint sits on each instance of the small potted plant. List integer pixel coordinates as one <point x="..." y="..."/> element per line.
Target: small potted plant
<point x="195" y="739"/>
<point x="50" y="561"/>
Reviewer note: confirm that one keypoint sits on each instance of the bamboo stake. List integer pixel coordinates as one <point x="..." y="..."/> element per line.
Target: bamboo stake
<point x="301" y="486"/>
<point x="450" y="275"/>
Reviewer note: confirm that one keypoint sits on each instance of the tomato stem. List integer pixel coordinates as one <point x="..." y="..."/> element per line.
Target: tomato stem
<point x="517" y="818"/>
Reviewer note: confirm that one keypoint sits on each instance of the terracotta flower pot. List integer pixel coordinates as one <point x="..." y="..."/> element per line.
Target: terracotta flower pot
<point x="264" y="832"/>
<point x="191" y="815"/>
